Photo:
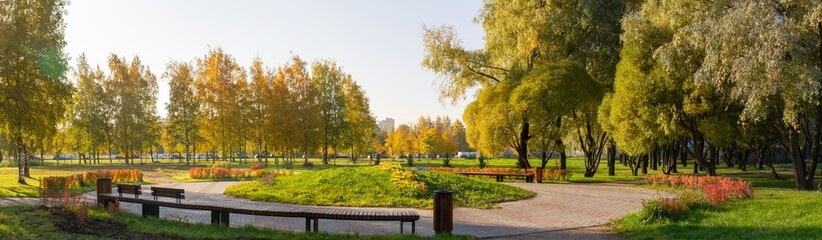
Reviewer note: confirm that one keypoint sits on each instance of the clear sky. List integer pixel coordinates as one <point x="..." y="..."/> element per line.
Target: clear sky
<point x="378" y="42"/>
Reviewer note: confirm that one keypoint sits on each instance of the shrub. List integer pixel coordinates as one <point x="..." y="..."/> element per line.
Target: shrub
<point x="309" y="164"/>
<point x="482" y="163"/>
<point x="258" y="166"/>
<point x="225" y="173"/>
<point x="288" y="164"/>
<point x="555" y="174"/>
<point x="405" y="179"/>
<point x="716" y="189"/>
<point x="269" y="179"/>
<point x="126" y="175"/>
<point x="667" y="207"/>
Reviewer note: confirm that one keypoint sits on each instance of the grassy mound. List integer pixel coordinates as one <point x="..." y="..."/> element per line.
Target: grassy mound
<point x="371" y="187"/>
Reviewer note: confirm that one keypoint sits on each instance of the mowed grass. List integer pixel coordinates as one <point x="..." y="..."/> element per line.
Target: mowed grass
<point x="167" y="170"/>
<point x="10" y="188"/>
<point x="371" y="187"/>
<point x="777" y="211"/>
<point x="36" y="223"/>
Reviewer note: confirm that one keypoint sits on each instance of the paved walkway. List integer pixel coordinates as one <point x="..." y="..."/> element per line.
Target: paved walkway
<point x="10" y="201"/>
<point x="565" y="211"/>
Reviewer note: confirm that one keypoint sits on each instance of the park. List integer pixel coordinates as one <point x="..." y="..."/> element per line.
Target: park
<point x="526" y="119"/>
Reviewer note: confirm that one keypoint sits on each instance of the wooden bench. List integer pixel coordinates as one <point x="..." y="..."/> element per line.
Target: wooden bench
<point x="220" y="214"/>
<point x="529" y="177"/>
<point x="129" y="189"/>
<point x="176" y="193"/>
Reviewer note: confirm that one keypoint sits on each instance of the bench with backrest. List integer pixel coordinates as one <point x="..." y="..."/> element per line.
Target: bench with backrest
<point x="176" y="193"/>
<point x="529" y="177"/>
<point x="220" y="214"/>
<point x="129" y="189"/>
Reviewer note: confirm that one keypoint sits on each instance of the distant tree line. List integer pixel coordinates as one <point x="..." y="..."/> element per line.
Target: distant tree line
<point x="215" y="106"/>
<point x="440" y="138"/>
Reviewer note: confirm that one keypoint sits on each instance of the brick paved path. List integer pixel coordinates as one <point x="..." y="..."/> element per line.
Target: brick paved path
<point x="10" y="201"/>
<point x="556" y="209"/>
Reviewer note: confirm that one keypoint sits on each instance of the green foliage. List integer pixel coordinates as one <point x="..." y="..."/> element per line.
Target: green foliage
<point x="35" y="91"/>
<point x="405" y="179"/>
<point x="371" y="187"/>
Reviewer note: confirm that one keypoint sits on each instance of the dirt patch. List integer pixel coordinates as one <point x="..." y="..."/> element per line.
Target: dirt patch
<point x="70" y="222"/>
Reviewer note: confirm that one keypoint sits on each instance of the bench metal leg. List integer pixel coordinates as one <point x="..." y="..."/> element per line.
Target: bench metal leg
<point x="215" y="218"/>
<point x="308" y="224"/>
<point x="401" y="225"/>
<point x="316" y="225"/>
<point x="413" y="228"/>
<point x="499" y="178"/>
<point x="224" y="220"/>
<point x="151" y="210"/>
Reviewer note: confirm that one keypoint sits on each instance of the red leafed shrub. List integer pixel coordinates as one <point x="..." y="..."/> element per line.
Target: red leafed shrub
<point x="59" y="185"/>
<point x="221" y="173"/>
<point x="716" y="189"/>
<point x="258" y="166"/>
<point x="226" y="173"/>
<point x="555" y="174"/>
<point x="124" y="175"/>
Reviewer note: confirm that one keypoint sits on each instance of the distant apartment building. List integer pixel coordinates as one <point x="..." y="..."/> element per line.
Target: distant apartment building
<point x="386" y="125"/>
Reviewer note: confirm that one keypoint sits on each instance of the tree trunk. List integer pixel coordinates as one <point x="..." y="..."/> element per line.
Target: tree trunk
<point x="20" y="168"/>
<point x="562" y="157"/>
<point x="611" y="158"/>
<point x="325" y="145"/>
<point x="26" y="171"/>
<point x="645" y="164"/>
<point x="522" y="146"/>
<point x="698" y="152"/>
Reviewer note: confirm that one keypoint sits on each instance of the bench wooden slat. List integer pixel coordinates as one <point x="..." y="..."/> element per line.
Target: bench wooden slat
<point x="302" y="212"/>
<point x="129" y="189"/>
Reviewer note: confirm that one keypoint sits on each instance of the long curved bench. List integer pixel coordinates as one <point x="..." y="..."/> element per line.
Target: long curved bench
<point x="220" y="214"/>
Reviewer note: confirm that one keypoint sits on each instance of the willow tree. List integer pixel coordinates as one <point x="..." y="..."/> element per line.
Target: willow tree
<point x="772" y="68"/>
<point x="655" y="97"/>
<point x="521" y="35"/>
<point x="183" y="107"/>
<point x="35" y="91"/>
<point x="560" y="90"/>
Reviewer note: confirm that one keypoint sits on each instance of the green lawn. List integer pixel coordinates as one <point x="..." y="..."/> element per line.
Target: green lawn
<point x="371" y="187"/>
<point x="777" y="211"/>
<point x="36" y="223"/>
<point x="173" y="170"/>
